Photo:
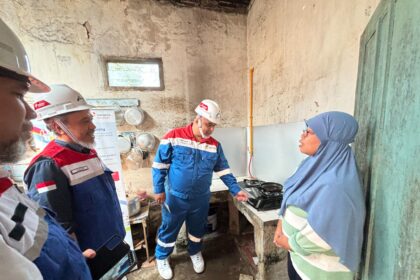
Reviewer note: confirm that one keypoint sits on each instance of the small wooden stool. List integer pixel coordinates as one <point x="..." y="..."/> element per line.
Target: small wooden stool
<point x="141" y="218"/>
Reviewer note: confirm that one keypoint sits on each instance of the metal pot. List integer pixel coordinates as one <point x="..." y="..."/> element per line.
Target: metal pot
<point x="272" y="187"/>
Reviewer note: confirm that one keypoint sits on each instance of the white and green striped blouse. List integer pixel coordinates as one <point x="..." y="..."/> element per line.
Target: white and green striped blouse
<point x="311" y="256"/>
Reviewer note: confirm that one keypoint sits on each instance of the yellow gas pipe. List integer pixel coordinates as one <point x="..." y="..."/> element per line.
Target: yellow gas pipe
<point x="251" y="81"/>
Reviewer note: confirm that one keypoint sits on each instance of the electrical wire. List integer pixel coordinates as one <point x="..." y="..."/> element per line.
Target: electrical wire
<point x="249" y="167"/>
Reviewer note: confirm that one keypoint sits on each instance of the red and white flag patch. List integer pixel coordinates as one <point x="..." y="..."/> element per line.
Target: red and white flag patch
<point x="46" y="186"/>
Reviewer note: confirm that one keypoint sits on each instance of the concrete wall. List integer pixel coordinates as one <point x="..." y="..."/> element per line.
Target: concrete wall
<point x="305" y="54"/>
<point x="203" y="52"/>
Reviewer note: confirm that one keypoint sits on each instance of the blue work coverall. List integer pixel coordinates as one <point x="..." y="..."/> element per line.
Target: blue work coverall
<point x="183" y="169"/>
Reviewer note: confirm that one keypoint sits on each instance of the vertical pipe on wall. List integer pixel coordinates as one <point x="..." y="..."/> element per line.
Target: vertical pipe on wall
<point x="251" y="92"/>
<point x="251" y="80"/>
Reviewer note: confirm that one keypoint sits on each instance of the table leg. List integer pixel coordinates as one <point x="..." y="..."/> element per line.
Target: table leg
<point x="144" y="225"/>
<point x="267" y="252"/>
<point x="234" y="225"/>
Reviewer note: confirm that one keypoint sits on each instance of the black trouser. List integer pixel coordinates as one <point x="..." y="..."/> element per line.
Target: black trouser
<point x="291" y="270"/>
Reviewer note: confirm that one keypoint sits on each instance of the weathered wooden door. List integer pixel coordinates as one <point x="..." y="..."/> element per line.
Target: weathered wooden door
<point x="388" y="144"/>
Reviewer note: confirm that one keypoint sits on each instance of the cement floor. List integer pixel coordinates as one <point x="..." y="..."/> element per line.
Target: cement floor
<point x="223" y="262"/>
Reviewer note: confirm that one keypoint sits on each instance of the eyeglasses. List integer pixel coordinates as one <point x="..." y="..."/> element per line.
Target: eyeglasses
<point x="306" y="131"/>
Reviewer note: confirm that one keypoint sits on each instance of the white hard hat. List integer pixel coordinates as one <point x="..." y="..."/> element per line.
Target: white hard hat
<point x="61" y="100"/>
<point x="209" y="110"/>
<point x="13" y="57"/>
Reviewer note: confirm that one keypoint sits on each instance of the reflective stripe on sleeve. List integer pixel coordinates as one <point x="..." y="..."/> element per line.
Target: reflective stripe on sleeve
<point x="223" y="172"/>
<point x="159" y="165"/>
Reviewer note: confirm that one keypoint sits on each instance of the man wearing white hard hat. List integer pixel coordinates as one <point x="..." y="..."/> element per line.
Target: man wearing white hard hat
<point x="32" y="244"/>
<point x="68" y="176"/>
<point x="182" y="174"/>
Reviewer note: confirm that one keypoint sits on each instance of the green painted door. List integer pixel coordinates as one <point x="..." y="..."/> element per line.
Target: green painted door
<point x="388" y="144"/>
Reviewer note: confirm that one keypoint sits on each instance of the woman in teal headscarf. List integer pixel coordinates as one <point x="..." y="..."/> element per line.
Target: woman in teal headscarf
<point x="323" y="211"/>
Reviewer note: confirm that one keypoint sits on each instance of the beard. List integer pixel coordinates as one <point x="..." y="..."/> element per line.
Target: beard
<point x="12" y="151"/>
<point x="87" y="145"/>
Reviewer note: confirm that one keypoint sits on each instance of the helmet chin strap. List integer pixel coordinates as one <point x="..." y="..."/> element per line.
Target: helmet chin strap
<point x="200" y="128"/>
<point x="71" y="135"/>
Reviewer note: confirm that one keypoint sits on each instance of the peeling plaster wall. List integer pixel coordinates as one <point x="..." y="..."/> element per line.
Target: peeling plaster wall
<point x="203" y="52"/>
<point x="305" y="54"/>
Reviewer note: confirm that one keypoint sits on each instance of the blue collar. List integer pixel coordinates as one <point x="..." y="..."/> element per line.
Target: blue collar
<point x="73" y="146"/>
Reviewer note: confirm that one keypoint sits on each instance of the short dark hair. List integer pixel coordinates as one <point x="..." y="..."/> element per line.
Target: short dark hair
<point x="48" y="121"/>
<point x="13" y="75"/>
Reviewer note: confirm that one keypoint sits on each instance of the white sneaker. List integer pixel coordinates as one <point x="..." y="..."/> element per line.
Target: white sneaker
<point x="164" y="269"/>
<point x="198" y="262"/>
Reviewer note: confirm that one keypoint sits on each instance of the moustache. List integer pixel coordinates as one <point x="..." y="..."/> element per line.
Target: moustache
<point x="27" y="130"/>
